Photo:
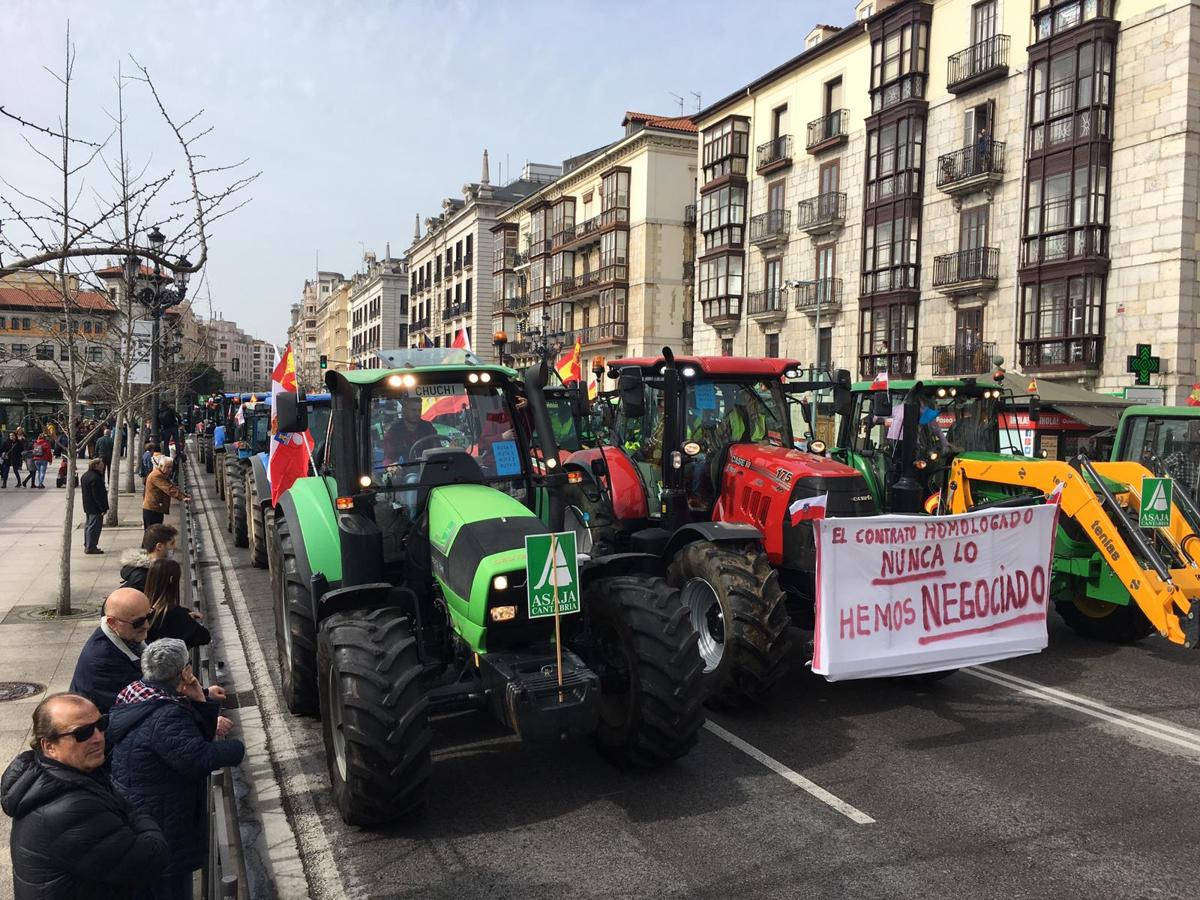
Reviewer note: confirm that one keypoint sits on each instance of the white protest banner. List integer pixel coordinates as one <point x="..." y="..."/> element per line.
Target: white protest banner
<point x="903" y="595"/>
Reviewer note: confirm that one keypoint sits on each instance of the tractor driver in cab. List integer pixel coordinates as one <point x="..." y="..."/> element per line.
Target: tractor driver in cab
<point x="406" y="433"/>
<point x="745" y="422"/>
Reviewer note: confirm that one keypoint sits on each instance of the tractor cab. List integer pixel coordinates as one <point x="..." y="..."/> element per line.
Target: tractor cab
<point x="254" y="430"/>
<point x="1164" y="439"/>
<point x="903" y="437"/>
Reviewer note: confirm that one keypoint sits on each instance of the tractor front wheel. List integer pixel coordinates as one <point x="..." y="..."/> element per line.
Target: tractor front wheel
<point x="237" y="509"/>
<point x="1103" y="621"/>
<point x="295" y="629"/>
<point x="740" y="614"/>
<point x="375" y="715"/>
<point x="255" y="524"/>
<point x="644" y="649"/>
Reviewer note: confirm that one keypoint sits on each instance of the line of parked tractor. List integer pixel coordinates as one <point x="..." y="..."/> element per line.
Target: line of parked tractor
<point x="398" y="565"/>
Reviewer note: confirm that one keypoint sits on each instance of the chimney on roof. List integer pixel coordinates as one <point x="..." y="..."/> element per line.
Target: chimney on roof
<point x="485" y="182"/>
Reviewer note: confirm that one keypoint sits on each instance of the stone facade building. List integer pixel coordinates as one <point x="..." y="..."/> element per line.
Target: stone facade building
<point x="378" y="309"/>
<point x="333" y="327"/>
<point x="603" y="254"/>
<point x="233" y="354"/>
<point x="302" y="334"/>
<point x="952" y="181"/>
<point x="450" y="284"/>
<point x="262" y="363"/>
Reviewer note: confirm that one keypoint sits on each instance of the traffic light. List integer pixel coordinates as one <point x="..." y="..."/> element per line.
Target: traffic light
<point x="324" y="361"/>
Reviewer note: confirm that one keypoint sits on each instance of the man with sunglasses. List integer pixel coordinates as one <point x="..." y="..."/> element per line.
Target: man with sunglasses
<point x="72" y="834"/>
<point x="111" y="658"/>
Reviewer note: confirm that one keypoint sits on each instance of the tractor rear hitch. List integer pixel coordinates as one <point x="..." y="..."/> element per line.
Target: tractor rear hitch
<point x="525" y="695"/>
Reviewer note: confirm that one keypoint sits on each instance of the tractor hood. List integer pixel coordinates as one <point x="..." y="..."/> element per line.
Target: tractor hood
<point x="785" y="465"/>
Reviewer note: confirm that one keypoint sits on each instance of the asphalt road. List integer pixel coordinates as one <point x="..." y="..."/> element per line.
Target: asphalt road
<point x="1079" y="780"/>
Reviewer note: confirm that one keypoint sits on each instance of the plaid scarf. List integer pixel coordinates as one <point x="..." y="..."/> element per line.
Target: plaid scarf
<point x="142" y="691"/>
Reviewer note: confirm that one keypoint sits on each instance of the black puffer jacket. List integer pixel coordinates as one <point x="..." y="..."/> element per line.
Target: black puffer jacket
<point x="73" y="836"/>
<point x="135" y="566"/>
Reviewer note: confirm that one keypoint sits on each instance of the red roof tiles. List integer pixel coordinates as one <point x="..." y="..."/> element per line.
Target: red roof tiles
<point x="670" y="123"/>
<point x="46" y="300"/>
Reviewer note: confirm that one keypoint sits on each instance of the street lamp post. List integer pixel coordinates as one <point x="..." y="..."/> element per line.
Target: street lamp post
<point x="157" y="299"/>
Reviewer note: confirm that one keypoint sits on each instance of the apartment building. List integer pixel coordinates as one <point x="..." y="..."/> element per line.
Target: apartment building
<point x="262" y="362"/>
<point x="302" y="334"/>
<point x="333" y="327"/>
<point x="916" y="193"/>
<point x="378" y="309"/>
<point x="449" y="293"/>
<point x="603" y="253"/>
<point x="32" y="324"/>
<point x="233" y="354"/>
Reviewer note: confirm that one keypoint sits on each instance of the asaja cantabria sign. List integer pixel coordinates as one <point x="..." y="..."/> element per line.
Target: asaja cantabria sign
<point x="552" y="568"/>
<point x="1155" y="510"/>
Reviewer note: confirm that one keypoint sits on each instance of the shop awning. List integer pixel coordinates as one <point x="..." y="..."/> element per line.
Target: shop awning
<point x="1090" y="414"/>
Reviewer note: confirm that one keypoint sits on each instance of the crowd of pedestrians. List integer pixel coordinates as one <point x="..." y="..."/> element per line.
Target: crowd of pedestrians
<point x="110" y="798"/>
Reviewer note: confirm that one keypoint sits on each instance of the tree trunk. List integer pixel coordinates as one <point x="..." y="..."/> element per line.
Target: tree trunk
<point x="64" y="570"/>
<point x="134" y="454"/>
<point x="114" y="476"/>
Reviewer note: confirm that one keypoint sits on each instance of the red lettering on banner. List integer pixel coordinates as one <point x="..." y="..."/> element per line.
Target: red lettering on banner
<point x="839" y="535"/>
<point x="846" y="620"/>
<point x="983" y="629"/>
<point x="862" y="619"/>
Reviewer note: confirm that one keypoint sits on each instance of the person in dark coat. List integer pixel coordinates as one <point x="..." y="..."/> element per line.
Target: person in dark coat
<point x="95" y="505"/>
<point x="104" y="450"/>
<point x="167" y="617"/>
<point x="73" y="836"/>
<point x="16" y="453"/>
<point x="163" y="754"/>
<point x="158" y="542"/>
<point x="111" y="658"/>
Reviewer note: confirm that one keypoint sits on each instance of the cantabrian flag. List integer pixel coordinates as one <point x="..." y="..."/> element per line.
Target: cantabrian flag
<point x="290" y="453"/>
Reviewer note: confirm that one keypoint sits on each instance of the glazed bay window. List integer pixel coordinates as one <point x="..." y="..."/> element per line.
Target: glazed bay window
<point x="614" y="197"/>
<point x="723" y="217"/>
<point x="1053" y="17"/>
<point x="891" y="255"/>
<point x="537" y="280"/>
<point x="1070" y="96"/>
<point x="887" y="339"/>
<point x="1066" y="211"/>
<point x="538" y="242"/>
<point x="562" y="221"/>
<point x="899" y="64"/>
<point x="612" y="315"/>
<point x="726" y="149"/>
<point x="1061" y="322"/>
<point x="721" y="285"/>
<point x="894" y="156"/>
<point x="562" y="271"/>
<point x="614" y="256"/>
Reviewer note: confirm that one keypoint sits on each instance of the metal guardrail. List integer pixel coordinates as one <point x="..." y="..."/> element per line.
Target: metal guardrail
<point x="223" y="876"/>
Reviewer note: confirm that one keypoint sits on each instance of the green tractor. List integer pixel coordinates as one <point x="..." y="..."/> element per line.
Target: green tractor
<point x="402" y="592"/>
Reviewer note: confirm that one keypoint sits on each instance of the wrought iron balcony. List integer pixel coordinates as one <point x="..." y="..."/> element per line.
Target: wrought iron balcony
<point x="722" y="310"/>
<point x="967" y="271"/>
<point x="971" y="168"/>
<point x="903" y="362"/>
<point x="767" y="304"/>
<point x="771" y="227"/>
<point x="828" y="131"/>
<point x="775" y="154"/>
<point x="824" y="293"/>
<point x="1062" y="353"/>
<point x="515" y="304"/>
<point x="963" y="359"/>
<point x="978" y="64"/>
<point x="418" y="324"/>
<point x="579" y="233"/>
<point x="822" y="214"/>
<point x="458" y="264"/>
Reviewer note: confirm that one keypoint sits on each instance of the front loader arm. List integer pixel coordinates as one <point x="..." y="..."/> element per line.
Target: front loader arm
<point x="1165" y="592"/>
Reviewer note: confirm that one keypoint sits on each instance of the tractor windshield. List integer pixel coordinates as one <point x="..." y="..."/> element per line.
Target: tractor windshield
<point x="406" y="423"/>
<point x="1174" y="442"/>
<point x="261" y="431"/>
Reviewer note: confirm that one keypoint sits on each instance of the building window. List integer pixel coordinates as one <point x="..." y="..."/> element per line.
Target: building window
<point x="1062" y="322"/>
<point x="721" y="277"/>
<point x="235" y="365"/>
<point x="613" y="255"/>
<point x="467" y="296"/>
<point x="1070" y="96"/>
<point x="3" y="324"/>
<point x="1053" y="17"/>
<point x="723" y="217"/>
<point x="25" y="325"/>
<point x="95" y="354"/>
<point x="726" y="149"/>
<point x="468" y="254"/>
<point x="562" y="221"/>
<point x="890" y="254"/>
<point x="894" y="155"/>
<point x="614" y="197"/>
<point x="899" y="62"/>
<point x="887" y="339"/>
<point x="727" y="346"/>
<point x="1066" y="212"/>
<point x="537" y="232"/>
<point x="772" y="347"/>
<point x="44" y="351"/>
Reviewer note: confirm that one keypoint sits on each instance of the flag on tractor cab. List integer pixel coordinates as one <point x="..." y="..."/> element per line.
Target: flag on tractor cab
<point x="881" y="382"/>
<point x="570" y="366"/>
<point x="462" y="341"/>
<point x="289" y="453"/>
<point x="807" y="509"/>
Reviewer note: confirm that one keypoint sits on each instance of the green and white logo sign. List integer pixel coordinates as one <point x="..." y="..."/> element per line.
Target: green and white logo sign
<point x="552" y="574"/>
<point x="1156" y="503"/>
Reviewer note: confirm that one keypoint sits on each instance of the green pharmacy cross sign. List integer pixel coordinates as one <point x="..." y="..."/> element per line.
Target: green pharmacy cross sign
<point x="552" y="574"/>
<point x="1155" y="511"/>
<point x="1142" y="364"/>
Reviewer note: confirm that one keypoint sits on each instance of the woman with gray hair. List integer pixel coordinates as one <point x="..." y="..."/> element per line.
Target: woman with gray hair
<point x="162" y="730"/>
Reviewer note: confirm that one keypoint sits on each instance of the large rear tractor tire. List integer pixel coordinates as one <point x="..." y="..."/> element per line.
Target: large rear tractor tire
<point x="1102" y="621"/>
<point x="652" y="694"/>
<point x="208" y="456"/>
<point x="739" y="611"/>
<point x="295" y="629"/>
<point x="237" y="510"/>
<point x="375" y="715"/>
<point x="256" y="529"/>
<point x="219" y="475"/>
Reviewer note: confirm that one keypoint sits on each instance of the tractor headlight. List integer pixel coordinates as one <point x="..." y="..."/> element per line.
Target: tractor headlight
<point x="503" y="613"/>
<point x="500" y="583"/>
<point x="920" y="464"/>
<point x="817" y="447"/>
<point x="689" y="372"/>
<point x="485" y="377"/>
<point x="933" y="456"/>
<point x="473" y="378"/>
<point x="394" y="381"/>
<point x="365" y="481"/>
<point x="691" y="448"/>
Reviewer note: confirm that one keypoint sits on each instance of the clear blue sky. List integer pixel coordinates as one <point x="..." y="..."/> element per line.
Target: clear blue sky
<point x="363" y="114"/>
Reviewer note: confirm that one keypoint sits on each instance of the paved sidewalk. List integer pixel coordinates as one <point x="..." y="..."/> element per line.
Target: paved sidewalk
<point x="45" y="651"/>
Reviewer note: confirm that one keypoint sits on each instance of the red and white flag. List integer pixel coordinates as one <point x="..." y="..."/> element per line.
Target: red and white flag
<point x="290" y="453"/>
<point x="462" y="340"/>
<point x="808" y="509"/>
<point x="881" y="382"/>
<point x="1055" y="496"/>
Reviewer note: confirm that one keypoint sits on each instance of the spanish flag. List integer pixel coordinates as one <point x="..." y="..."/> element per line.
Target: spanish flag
<point x="570" y="367"/>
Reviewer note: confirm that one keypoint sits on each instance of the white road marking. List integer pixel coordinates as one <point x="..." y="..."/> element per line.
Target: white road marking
<point x="810" y="787"/>
<point x="1161" y="731"/>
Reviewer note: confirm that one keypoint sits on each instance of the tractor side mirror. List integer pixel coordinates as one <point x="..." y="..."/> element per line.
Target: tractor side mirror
<point x="843" y="400"/>
<point x="291" y="411"/>
<point x="881" y="405"/>
<point x="633" y="398"/>
<point x="580" y="408"/>
<point x="1035" y="408"/>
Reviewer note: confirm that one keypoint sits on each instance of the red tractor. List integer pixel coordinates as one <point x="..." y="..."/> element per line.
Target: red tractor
<point x="701" y="467"/>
